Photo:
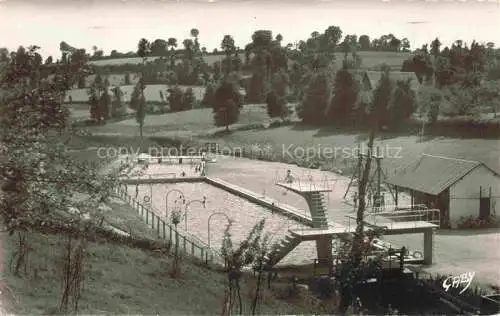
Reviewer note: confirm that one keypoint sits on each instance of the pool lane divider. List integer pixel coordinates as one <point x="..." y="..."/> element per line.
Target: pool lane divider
<point x="268" y="203"/>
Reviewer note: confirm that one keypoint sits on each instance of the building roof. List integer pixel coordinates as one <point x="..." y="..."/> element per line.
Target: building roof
<point x="433" y="174"/>
<point x="374" y="77"/>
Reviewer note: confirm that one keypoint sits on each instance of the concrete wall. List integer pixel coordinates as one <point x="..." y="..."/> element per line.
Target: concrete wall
<point x="464" y="195"/>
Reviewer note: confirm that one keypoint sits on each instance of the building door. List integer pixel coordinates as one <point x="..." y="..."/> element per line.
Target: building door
<point x="484" y="205"/>
<point x="443" y="204"/>
<point x="484" y="208"/>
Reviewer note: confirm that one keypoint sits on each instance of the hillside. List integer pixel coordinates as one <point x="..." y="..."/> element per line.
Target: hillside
<point x="123" y="280"/>
<point x="370" y="59"/>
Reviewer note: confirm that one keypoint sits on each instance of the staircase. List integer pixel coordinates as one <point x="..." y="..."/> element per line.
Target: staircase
<point x="317" y="206"/>
<point x="284" y="248"/>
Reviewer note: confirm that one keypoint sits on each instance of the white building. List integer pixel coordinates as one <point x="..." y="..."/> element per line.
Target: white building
<point x="458" y="188"/>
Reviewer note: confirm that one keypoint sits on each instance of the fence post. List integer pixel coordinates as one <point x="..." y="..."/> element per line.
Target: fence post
<point x="202" y="250"/>
<point x="185" y="248"/>
<point x="147" y="214"/>
<point x="164" y="236"/>
<point x="170" y="228"/>
<point x="192" y="249"/>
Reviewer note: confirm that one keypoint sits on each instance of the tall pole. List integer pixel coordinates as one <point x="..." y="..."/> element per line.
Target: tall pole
<point x="360" y="162"/>
<point x="378" y="172"/>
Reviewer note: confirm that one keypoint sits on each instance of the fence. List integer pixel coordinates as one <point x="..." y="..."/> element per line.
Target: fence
<point x="190" y="245"/>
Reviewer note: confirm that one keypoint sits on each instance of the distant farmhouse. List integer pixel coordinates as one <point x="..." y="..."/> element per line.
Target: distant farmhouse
<point x="368" y="81"/>
<point x="458" y="188"/>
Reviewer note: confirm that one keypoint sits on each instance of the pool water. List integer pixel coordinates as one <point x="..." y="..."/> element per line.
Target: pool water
<point x="243" y="213"/>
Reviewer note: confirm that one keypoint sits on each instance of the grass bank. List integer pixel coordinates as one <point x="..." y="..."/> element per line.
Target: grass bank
<point x="125" y="280"/>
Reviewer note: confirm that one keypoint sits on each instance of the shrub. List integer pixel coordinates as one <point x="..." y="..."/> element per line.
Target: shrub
<point x="469" y="222"/>
<point x="175" y="98"/>
<point x="209" y="96"/>
<point x="188" y="99"/>
<point x="228" y="102"/>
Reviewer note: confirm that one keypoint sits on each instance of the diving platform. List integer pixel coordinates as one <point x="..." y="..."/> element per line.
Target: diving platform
<point x="308" y="234"/>
<point x="400" y="228"/>
<point x="302" y="187"/>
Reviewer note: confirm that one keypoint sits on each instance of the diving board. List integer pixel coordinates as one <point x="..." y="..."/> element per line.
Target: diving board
<point x="302" y="187"/>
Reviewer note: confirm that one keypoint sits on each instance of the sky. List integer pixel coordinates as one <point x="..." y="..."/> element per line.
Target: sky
<point x="119" y="24"/>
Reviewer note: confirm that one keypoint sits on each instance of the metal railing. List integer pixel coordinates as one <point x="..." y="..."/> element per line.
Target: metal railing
<point x="394" y="219"/>
<point x="189" y="244"/>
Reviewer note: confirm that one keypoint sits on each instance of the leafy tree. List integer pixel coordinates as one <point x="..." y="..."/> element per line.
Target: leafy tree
<point x="209" y="96"/>
<point x="403" y="103"/>
<point x="276" y="98"/>
<point x="195" y="33"/>
<point x="250" y="252"/>
<point x="227" y="45"/>
<point x="135" y="97"/>
<point x="40" y="177"/>
<point x="435" y="47"/>
<point x="143" y="50"/>
<point x="81" y="82"/>
<point x="364" y="42"/>
<point x="159" y="47"/>
<point x="172" y="43"/>
<point x="382" y="95"/>
<point x="99" y="83"/>
<point x="465" y="100"/>
<point x="105" y="105"/>
<point x="94" y="103"/>
<point x="140" y="105"/>
<point x="274" y="105"/>
<point x="405" y="45"/>
<point x="188" y="49"/>
<point x="175" y="99"/>
<point x="117" y="107"/>
<point x="188" y="99"/>
<point x="228" y="101"/>
<point x="345" y="95"/>
<point x="421" y="65"/>
<point x="127" y="78"/>
<point x="313" y="107"/>
<point x="256" y="88"/>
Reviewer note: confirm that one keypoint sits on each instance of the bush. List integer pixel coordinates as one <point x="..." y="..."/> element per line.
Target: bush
<point x="127" y="78"/>
<point x="209" y="96"/>
<point x="228" y="102"/>
<point x="469" y="222"/>
<point x="175" y="99"/>
<point x="188" y="99"/>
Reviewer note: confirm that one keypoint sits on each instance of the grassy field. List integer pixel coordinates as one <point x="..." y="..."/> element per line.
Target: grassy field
<point x="399" y="149"/>
<point x="370" y="59"/>
<point x="152" y="92"/>
<point x="191" y="122"/>
<point x="122" y="280"/>
<point x="114" y="79"/>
